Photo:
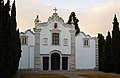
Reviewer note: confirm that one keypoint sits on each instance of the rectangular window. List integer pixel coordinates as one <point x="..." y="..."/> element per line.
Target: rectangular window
<point x="55" y="38"/>
<point x="86" y="42"/>
<point x="23" y="40"/>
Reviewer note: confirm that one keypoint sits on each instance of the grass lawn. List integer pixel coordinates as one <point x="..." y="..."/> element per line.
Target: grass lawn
<point x="43" y="76"/>
<point x="97" y="75"/>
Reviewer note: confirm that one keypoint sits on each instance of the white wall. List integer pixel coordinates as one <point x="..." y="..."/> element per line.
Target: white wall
<point x="46" y="33"/>
<point x="30" y="35"/>
<point x="27" y="56"/>
<point x="23" y="64"/>
<point x="31" y="57"/>
<point x="85" y="56"/>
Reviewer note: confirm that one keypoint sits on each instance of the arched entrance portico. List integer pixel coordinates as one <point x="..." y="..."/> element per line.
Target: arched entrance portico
<point x="55" y="61"/>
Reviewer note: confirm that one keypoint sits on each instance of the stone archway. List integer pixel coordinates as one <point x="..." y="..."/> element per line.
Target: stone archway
<point x="55" y="61"/>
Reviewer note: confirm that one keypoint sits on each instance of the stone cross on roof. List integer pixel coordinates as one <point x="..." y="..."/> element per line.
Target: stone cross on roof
<point x="55" y="9"/>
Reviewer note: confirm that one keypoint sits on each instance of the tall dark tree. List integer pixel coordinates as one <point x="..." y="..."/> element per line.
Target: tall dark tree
<point x="107" y="54"/>
<point x="116" y="46"/>
<point x="74" y="20"/>
<point x="18" y="49"/>
<point x="3" y="37"/>
<point x="109" y="51"/>
<point x="16" y="40"/>
<point x="101" y="43"/>
<point x="10" y="47"/>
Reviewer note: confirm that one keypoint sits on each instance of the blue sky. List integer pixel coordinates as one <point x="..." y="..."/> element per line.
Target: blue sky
<point x="95" y="16"/>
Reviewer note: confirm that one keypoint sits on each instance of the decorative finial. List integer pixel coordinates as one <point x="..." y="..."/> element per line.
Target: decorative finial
<point x="55" y="9"/>
<point x="37" y="20"/>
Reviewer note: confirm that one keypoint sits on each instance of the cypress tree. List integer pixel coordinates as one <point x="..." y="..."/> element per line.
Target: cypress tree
<point x="115" y="46"/>
<point x="9" y="41"/>
<point x="109" y="50"/>
<point x="14" y="40"/>
<point x="18" y="49"/>
<point x="108" y="54"/>
<point x="74" y="20"/>
<point x="6" y="37"/>
<point x="1" y="38"/>
<point x="4" y="14"/>
<point x="101" y="42"/>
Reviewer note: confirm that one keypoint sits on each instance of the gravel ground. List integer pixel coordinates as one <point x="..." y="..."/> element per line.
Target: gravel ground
<point x="71" y="74"/>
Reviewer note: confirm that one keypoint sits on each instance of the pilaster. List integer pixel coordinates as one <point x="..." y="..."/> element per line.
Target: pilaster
<point x="49" y="63"/>
<point x="96" y="54"/>
<point x="68" y="63"/>
<point x="37" y="60"/>
<point x="60" y="63"/>
<point x="73" y="50"/>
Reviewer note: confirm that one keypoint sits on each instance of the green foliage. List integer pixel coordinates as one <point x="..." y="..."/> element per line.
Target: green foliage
<point x="10" y="48"/>
<point x="74" y="20"/>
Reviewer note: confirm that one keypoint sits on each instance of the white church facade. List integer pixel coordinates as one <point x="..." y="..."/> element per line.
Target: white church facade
<point x="54" y="46"/>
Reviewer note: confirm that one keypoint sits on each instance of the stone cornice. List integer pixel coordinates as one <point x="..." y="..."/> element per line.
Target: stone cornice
<point x="55" y="31"/>
<point x="42" y="24"/>
<point x="72" y="31"/>
<point x="36" y="30"/>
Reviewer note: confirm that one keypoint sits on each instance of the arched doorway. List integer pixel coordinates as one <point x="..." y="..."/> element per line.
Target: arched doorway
<point x="55" y="61"/>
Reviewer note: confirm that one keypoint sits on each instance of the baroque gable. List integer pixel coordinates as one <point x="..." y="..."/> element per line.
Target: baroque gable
<point x="55" y="18"/>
